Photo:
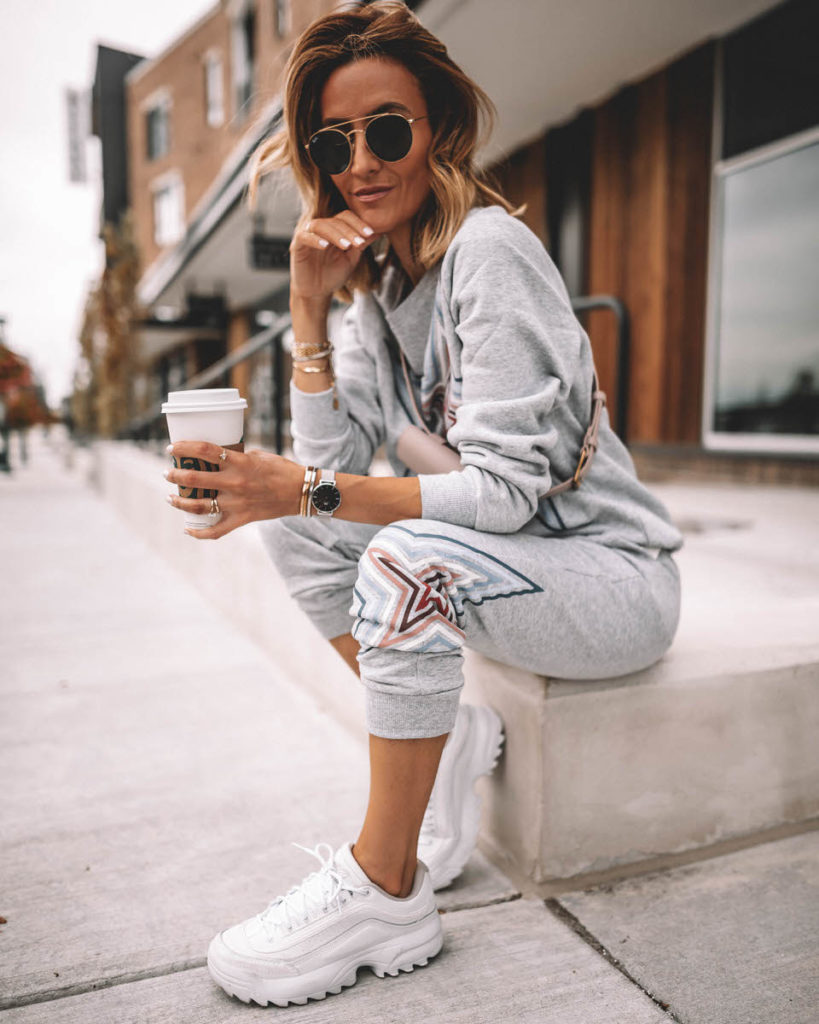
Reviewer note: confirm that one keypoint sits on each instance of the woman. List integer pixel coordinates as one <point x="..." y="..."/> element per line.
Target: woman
<point x="461" y="328"/>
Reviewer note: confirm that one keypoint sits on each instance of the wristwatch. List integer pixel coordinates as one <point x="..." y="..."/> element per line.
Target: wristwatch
<point x="326" y="497"/>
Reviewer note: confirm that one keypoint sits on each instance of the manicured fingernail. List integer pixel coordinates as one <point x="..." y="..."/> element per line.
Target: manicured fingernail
<point x="323" y="243"/>
<point x="358" y="240"/>
<point x="367" y="231"/>
<point x="169" y="449"/>
<point x="167" y="473"/>
<point x="344" y="243"/>
<point x="169" y="499"/>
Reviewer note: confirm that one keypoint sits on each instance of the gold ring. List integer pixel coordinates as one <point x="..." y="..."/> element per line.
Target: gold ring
<point x="214" y="507"/>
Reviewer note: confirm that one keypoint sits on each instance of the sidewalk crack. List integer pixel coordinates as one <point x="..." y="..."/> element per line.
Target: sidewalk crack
<point x="569" y="919"/>
<point x="82" y="988"/>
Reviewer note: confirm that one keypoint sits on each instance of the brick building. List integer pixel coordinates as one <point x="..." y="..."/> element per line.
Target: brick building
<point x="195" y="114"/>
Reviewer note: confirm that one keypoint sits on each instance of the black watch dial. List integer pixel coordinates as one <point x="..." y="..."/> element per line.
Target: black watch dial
<point x="326" y="498"/>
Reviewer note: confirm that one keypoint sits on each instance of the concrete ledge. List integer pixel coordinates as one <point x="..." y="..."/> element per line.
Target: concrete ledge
<point x="714" y="742"/>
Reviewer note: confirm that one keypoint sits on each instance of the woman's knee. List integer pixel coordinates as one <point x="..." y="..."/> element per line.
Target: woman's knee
<point x="404" y="597"/>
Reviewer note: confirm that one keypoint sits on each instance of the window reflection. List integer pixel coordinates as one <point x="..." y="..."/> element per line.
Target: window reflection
<point x="767" y="325"/>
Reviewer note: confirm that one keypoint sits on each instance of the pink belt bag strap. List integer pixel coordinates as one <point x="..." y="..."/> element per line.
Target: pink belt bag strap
<point x="424" y="452"/>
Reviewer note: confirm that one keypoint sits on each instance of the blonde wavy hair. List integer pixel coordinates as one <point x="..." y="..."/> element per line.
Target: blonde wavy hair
<point x="460" y="114"/>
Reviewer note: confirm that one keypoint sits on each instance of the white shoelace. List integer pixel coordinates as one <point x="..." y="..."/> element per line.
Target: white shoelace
<point x="320" y="892"/>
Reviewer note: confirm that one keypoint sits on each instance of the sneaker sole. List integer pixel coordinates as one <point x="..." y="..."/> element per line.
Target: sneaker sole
<point x="390" y="958"/>
<point x="485" y="757"/>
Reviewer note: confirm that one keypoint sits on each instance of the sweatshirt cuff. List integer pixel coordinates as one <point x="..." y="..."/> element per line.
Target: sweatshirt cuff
<point x="449" y="498"/>
<point x="315" y="412"/>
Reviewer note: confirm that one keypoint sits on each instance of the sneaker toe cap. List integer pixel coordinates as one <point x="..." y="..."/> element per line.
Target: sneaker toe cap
<point x="247" y="941"/>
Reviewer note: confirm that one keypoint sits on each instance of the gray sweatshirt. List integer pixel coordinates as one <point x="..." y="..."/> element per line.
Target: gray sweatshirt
<point x="501" y="367"/>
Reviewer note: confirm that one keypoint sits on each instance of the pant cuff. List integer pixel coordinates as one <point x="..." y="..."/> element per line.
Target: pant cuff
<point x="397" y="716"/>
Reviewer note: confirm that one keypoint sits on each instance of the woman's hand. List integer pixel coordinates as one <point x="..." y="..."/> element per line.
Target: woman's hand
<point x="251" y="486"/>
<point x="324" y="254"/>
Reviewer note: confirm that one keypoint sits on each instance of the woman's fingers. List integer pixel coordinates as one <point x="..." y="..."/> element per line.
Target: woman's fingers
<point x="202" y="506"/>
<point x="202" y="450"/>
<point x="250" y="486"/>
<point x="192" y="479"/>
<point x="354" y="225"/>
<point x="344" y="231"/>
<point x="191" y="471"/>
<point x="199" y="506"/>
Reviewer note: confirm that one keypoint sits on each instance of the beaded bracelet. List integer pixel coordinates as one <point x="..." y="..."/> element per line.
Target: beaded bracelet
<point x="309" y="350"/>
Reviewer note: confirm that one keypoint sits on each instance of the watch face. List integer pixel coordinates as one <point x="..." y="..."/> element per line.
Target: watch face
<point x="326" y="498"/>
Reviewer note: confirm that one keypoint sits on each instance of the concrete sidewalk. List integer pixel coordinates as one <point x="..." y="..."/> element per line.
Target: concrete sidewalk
<point x="157" y="768"/>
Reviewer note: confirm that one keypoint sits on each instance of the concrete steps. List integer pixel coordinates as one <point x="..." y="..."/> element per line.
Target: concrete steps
<point x="713" y="744"/>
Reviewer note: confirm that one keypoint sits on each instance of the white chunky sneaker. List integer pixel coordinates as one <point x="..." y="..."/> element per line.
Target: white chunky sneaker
<point x="453" y="816"/>
<point x="311" y="942"/>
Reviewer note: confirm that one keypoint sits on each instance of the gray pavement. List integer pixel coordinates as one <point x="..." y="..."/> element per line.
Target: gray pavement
<point x="157" y="767"/>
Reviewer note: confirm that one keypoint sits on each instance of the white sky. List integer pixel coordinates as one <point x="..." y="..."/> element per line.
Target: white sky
<point x="49" y="250"/>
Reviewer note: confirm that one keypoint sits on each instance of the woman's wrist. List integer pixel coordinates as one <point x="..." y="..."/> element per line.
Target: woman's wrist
<point x="309" y="315"/>
<point x="313" y="376"/>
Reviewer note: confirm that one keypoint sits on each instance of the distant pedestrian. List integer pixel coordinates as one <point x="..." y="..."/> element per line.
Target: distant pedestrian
<point x="461" y="357"/>
<point x="5" y="443"/>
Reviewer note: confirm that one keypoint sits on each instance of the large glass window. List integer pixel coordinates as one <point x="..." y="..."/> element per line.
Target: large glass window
<point x="764" y="318"/>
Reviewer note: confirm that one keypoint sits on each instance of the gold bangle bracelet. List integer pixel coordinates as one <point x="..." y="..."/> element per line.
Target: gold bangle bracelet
<point x="305" y="487"/>
<point x="313" y="481"/>
<point x="315" y="369"/>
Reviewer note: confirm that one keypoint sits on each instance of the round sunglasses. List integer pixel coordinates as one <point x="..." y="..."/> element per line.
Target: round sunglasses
<point x="388" y="137"/>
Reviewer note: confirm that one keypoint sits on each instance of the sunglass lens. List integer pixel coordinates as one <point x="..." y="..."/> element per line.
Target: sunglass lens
<point x="389" y="137"/>
<point x="330" y="151"/>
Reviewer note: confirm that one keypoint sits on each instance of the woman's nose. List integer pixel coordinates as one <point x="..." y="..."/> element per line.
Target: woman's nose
<point x="363" y="157"/>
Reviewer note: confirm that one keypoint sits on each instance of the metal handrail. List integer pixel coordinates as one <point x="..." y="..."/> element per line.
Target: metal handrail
<point x="586" y="303"/>
<point x="239" y="355"/>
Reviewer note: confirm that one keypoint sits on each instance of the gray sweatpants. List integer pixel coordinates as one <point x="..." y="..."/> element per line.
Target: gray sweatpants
<point x="415" y="593"/>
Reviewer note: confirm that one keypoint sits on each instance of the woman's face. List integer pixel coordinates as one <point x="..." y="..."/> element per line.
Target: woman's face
<point x="385" y="195"/>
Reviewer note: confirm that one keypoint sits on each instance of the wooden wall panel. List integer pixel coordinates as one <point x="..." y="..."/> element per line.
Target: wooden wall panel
<point x="648" y="242"/>
<point x="690" y="105"/>
<point x="607" y="234"/>
<point x="646" y="271"/>
<point x="238" y="334"/>
<point x="522" y="179"/>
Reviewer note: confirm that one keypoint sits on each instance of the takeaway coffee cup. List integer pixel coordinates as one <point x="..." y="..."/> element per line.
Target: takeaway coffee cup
<point x="215" y="415"/>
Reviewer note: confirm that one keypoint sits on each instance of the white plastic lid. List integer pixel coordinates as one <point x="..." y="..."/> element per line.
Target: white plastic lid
<point x="204" y="400"/>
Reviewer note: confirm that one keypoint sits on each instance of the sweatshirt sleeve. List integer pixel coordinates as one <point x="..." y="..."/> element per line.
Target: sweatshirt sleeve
<point x="520" y="354"/>
<point x="344" y="439"/>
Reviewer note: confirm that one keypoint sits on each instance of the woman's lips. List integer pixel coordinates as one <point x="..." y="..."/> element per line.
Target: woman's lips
<point x="371" y="195"/>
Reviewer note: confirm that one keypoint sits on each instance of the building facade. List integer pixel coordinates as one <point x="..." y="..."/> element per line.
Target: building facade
<point x="195" y="115"/>
<point x="668" y="160"/>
